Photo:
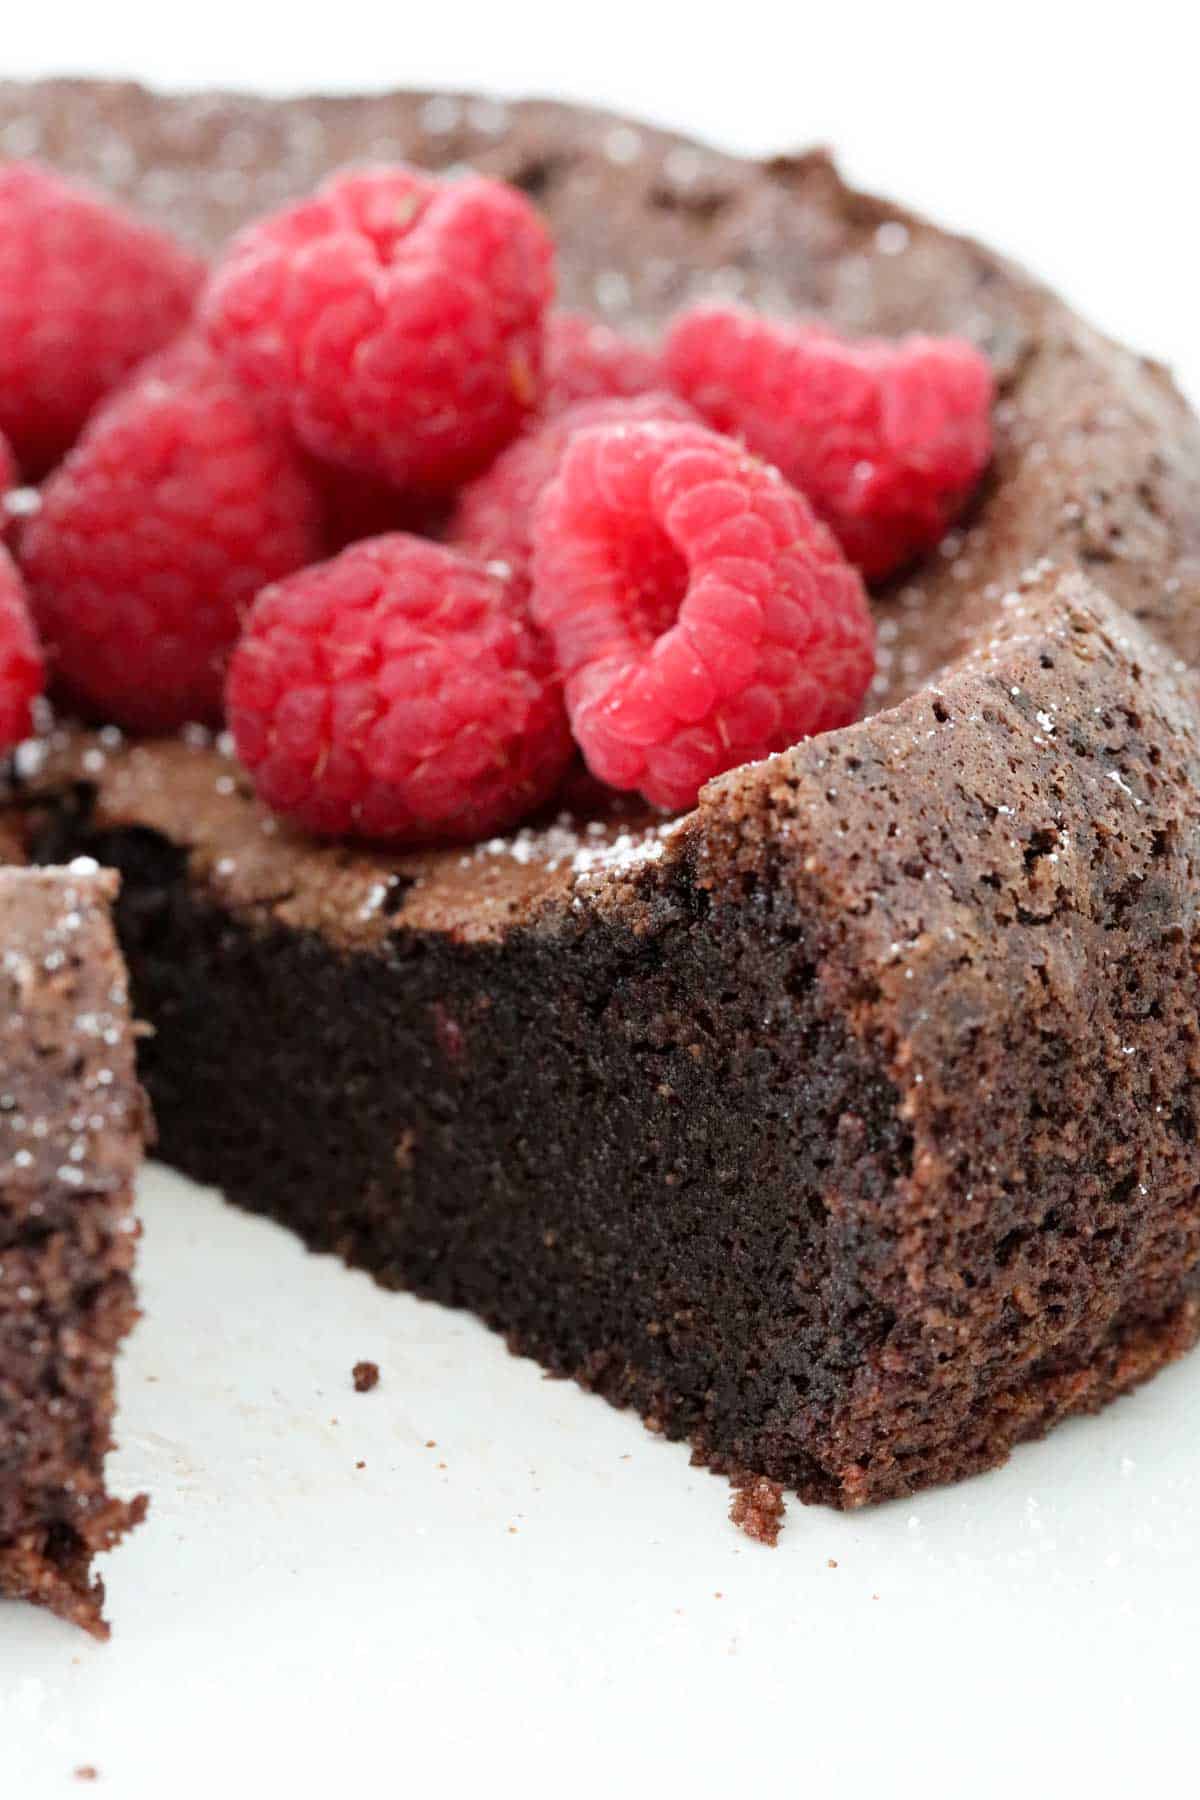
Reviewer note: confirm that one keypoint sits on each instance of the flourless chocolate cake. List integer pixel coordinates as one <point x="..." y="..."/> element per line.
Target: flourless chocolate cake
<point x="71" y="1126"/>
<point x="847" y="1126"/>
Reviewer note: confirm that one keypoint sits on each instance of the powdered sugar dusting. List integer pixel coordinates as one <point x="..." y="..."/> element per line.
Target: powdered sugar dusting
<point x="584" y="850"/>
<point x="53" y="932"/>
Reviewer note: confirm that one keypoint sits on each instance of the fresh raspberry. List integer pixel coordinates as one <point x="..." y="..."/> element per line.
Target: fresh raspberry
<point x="395" y="693"/>
<point x="86" y="291"/>
<point x="21" y="671"/>
<point x="585" y="359"/>
<point x="886" y="439"/>
<point x="701" y="614"/>
<point x="395" y="320"/>
<point x="154" y="536"/>
<point x="494" y="515"/>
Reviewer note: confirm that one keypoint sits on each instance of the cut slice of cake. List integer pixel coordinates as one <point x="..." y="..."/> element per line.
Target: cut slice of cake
<point x="72" y="1122"/>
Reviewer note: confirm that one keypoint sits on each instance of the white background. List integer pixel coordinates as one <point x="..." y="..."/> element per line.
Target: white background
<point x="562" y="1607"/>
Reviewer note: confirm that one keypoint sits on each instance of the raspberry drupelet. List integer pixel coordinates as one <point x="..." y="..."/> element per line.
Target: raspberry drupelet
<point x="394" y="321"/>
<point x="886" y="439"/>
<point x="86" y="292"/>
<point x="701" y="615"/>
<point x="395" y="693"/>
<point x="176" y="506"/>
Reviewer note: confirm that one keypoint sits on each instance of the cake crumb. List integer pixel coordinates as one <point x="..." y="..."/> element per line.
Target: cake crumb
<point x="831" y="1562"/>
<point x="360" y="1465"/>
<point x="758" y="1507"/>
<point x="366" y="1376"/>
<point x="87" y="1772"/>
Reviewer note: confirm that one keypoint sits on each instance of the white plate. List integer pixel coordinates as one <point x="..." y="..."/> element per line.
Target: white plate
<point x="524" y="1589"/>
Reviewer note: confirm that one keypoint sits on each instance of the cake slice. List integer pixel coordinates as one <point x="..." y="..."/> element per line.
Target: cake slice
<point x="72" y="1120"/>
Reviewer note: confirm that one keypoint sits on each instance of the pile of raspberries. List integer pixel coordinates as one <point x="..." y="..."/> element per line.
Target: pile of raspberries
<point x="361" y="493"/>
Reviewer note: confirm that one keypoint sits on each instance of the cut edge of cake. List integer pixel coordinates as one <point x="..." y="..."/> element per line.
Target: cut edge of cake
<point x="72" y="1126"/>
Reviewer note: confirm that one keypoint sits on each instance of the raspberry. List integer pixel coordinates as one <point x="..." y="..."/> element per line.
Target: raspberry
<point x="86" y="291"/>
<point x="21" y="672"/>
<point x="395" y="693"/>
<point x="585" y="359"/>
<point x="493" y="517"/>
<point x="394" y="320"/>
<point x="154" y="536"/>
<point x="886" y="440"/>
<point x="700" y="612"/>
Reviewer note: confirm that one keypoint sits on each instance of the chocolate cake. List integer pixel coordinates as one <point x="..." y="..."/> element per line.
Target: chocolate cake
<point x="71" y="1125"/>
<point x="847" y="1126"/>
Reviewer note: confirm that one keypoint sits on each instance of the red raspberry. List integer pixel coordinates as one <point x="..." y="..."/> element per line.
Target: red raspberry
<point x="21" y="672"/>
<point x="701" y="614"/>
<point x="394" y="320"/>
<point x="887" y="440"/>
<point x="585" y="359"/>
<point x="86" y="291"/>
<point x="154" y="536"/>
<point x="395" y="693"/>
<point x="494" y="515"/>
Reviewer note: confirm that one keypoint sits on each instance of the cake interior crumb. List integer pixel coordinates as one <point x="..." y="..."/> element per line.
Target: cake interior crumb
<point x="758" y="1507"/>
